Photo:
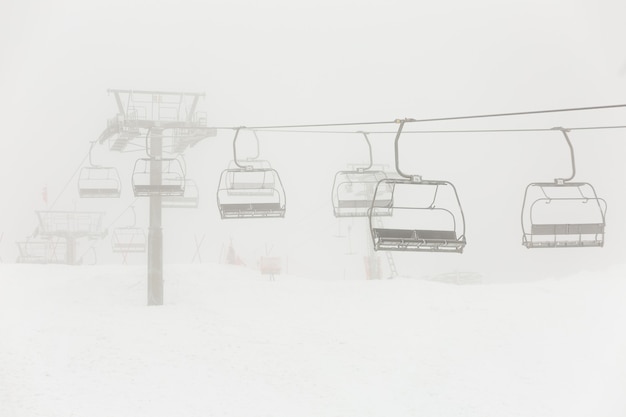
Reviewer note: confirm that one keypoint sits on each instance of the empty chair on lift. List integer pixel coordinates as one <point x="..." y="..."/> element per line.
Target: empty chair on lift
<point x="353" y="192"/>
<point x="420" y="216"/>
<point x="251" y="189"/>
<point x="257" y="178"/>
<point x="128" y="239"/>
<point x="249" y="193"/>
<point x="353" y="189"/>
<point x="95" y="181"/>
<point x="172" y="178"/>
<point x="563" y="213"/>
<point x="189" y="199"/>
<point x="99" y="182"/>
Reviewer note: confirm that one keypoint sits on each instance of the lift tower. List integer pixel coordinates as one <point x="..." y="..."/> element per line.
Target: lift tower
<point x="164" y="123"/>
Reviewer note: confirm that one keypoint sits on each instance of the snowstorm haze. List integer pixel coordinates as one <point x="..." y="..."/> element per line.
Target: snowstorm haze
<point x="285" y="62"/>
<point x="534" y="332"/>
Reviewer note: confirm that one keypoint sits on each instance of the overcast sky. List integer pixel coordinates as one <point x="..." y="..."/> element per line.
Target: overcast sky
<point x="313" y="62"/>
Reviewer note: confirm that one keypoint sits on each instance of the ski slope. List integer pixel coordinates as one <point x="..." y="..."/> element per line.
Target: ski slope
<point x="79" y="341"/>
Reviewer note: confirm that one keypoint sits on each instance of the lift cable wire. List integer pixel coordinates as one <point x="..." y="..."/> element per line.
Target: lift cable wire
<point x="545" y="129"/>
<point x="434" y="119"/>
<point x="380" y="132"/>
<point x="280" y="128"/>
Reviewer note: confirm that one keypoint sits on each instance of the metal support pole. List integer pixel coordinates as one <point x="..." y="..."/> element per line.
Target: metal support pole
<point x="155" y="232"/>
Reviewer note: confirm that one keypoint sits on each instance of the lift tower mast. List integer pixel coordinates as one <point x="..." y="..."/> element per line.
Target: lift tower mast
<point x="163" y="123"/>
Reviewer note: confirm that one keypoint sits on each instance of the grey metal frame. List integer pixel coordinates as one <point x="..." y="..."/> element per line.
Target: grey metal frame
<point x="189" y="199"/>
<point x="410" y="239"/>
<point x="359" y="203"/>
<point x="537" y="234"/>
<point x="172" y="180"/>
<point x="133" y="245"/>
<point x="563" y="234"/>
<point x="137" y="243"/>
<point x="246" y="205"/>
<point x="108" y="185"/>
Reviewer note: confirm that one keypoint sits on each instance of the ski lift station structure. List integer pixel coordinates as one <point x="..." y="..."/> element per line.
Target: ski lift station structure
<point x="61" y="226"/>
<point x="169" y="122"/>
<point x="38" y="250"/>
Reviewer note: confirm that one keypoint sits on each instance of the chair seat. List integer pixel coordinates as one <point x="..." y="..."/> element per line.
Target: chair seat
<point x="362" y="203"/>
<point x="252" y="210"/>
<point x="418" y="240"/>
<point x="567" y="229"/>
<point x="415" y="234"/>
<point x="145" y="190"/>
<point x="99" y="192"/>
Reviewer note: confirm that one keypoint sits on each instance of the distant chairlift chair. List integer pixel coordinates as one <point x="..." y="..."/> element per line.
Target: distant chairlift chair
<point x="172" y="178"/>
<point x="353" y="190"/>
<point x="190" y="198"/>
<point x="98" y="182"/>
<point x="563" y="214"/>
<point x="129" y="239"/>
<point x="420" y="215"/>
<point x="250" y="189"/>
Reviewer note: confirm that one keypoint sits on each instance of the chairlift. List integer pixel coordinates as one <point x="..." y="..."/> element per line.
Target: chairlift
<point x="98" y="182"/>
<point x="250" y="189"/>
<point x="172" y="178"/>
<point x="189" y="199"/>
<point x="420" y="215"/>
<point x="240" y="184"/>
<point x="353" y="190"/>
<point x="562" y="213"/>
<point x="129" y="239"/>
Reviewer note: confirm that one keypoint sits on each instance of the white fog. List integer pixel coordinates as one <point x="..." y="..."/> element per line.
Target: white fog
<point x="489" y="312"/>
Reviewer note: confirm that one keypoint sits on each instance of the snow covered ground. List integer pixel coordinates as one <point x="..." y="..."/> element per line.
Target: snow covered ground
<point x="79" y="341"/>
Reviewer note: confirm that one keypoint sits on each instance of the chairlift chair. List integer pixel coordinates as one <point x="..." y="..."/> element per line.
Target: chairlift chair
<point x="172" y="178"/>
<point x="99" y="182"/>
<point x="563" y="214"/>
<point x="128" y="239"/>
<point x="421" y="216"/>
<point x="353" y="190"/>
<point x="95" y="181"/>
<point x="250" y="193"/>
<point x="416" y="215"/>
<point x="256" y="177"/>
<point x="189" y="199"/>
<point x="251" y="189"/>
